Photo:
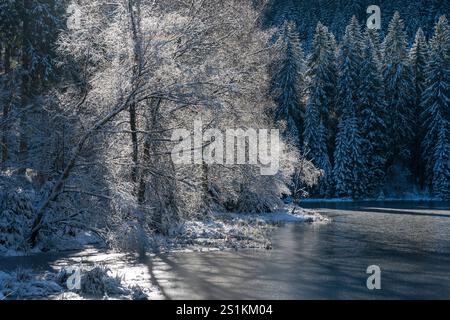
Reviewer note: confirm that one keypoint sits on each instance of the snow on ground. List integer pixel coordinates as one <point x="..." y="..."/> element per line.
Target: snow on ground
<point x="135" y="279"/>
<point x="104" y="275"/>
<point x="24" y="284"/>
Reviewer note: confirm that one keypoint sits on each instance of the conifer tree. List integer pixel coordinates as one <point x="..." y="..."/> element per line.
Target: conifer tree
<point x="349" y="160"/>
<point x="398" y="79"/>
<point x="288" y="85"/>
<point x="436" y="99"/>
<point x="373" y="116"/>
<point x="441" y="169"/>
<point x="315" y="144"/>
<point x="319" y="118"/>
<point x="418" y="57"/>
<point x="375" y="39"/>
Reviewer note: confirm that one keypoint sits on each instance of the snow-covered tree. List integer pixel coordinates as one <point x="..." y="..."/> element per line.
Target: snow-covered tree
<point x="418" y="56"/>
<point x="436" y="99"/>
<point x="322" y="70"/>
<point x="348" y="171"/>
<point x="441" y="169"/>
<point x="374" y="36"/>
<point x="315" y="144"/>
<point x="373" y="116"/>
<point x="398" y="79"/>
<point x="349" y="158"/>
<point x="350" y="62"/>
<point x="320" y="110"/>
<point x="288" y="84"/>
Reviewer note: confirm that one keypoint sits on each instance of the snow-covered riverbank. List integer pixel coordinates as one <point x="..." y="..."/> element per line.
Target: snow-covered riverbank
<point x="116" y="275"/>
<point x="412" y="197"/>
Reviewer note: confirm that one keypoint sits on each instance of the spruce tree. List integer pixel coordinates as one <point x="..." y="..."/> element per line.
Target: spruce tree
<point x="349" y="160"/>
<point x="373" y="117"/>
<point x="418" y="57"/>
<point x="374" y="37"/>
<point x="315" y="144"/>
<point x="320" y="109"/>
<point x="436" y="98"/>
<point x="398" y="79"/>
<point x="350" y="62"/>
<point x="322" y="68"/>
<point x="441" y="169"/>
<point x="348" y="171"/>
<point x="288" y="84"/>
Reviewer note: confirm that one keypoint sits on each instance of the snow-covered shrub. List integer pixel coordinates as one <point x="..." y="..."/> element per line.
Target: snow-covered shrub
<point x="16" y="214"/>
<point x="305" y="177"/>
<point x="99" y="282"/>
<point x="24" y="284"/>
<point x="19" y="199"/>
<point x="251" y="201"/>
<point x="128" y="236"/>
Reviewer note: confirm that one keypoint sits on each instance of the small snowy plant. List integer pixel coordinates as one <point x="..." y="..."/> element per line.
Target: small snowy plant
<point x="99" y="281"/>
<point x="16" y="213"/>
<point x="24" y="284"/>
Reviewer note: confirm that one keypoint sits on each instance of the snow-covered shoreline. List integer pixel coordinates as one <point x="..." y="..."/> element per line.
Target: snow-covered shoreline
<point x="290" y="214"/>
<point x="218" y="233"/>
<point x="223" y="231"/>
<point x="412" y="198"/>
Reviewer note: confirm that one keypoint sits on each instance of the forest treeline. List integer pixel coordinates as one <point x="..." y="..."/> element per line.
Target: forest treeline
<point x="335" y="14"/>
<point x="371" y="112"/>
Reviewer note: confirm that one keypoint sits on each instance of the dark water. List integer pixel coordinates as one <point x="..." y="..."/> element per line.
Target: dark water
<point x="410" y="242"/>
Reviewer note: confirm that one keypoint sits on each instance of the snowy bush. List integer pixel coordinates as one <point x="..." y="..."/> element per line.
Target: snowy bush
<point x="16" y="214"/>
<point x="99" y="282"/>
<point x="128" y="236"/>
<point x="250" y="201"/>
<point x="24" y="284"/>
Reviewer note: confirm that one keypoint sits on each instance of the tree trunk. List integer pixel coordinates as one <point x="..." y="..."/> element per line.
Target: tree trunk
<point x="149" y="125"/>
<point x="205" y="189"/>
<point x="135" y="146"/>
<point x="135" y="29"/>
<point x="1" y="57"/>
<point x="6" y="107"/>
<point x="25" y="88"/>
